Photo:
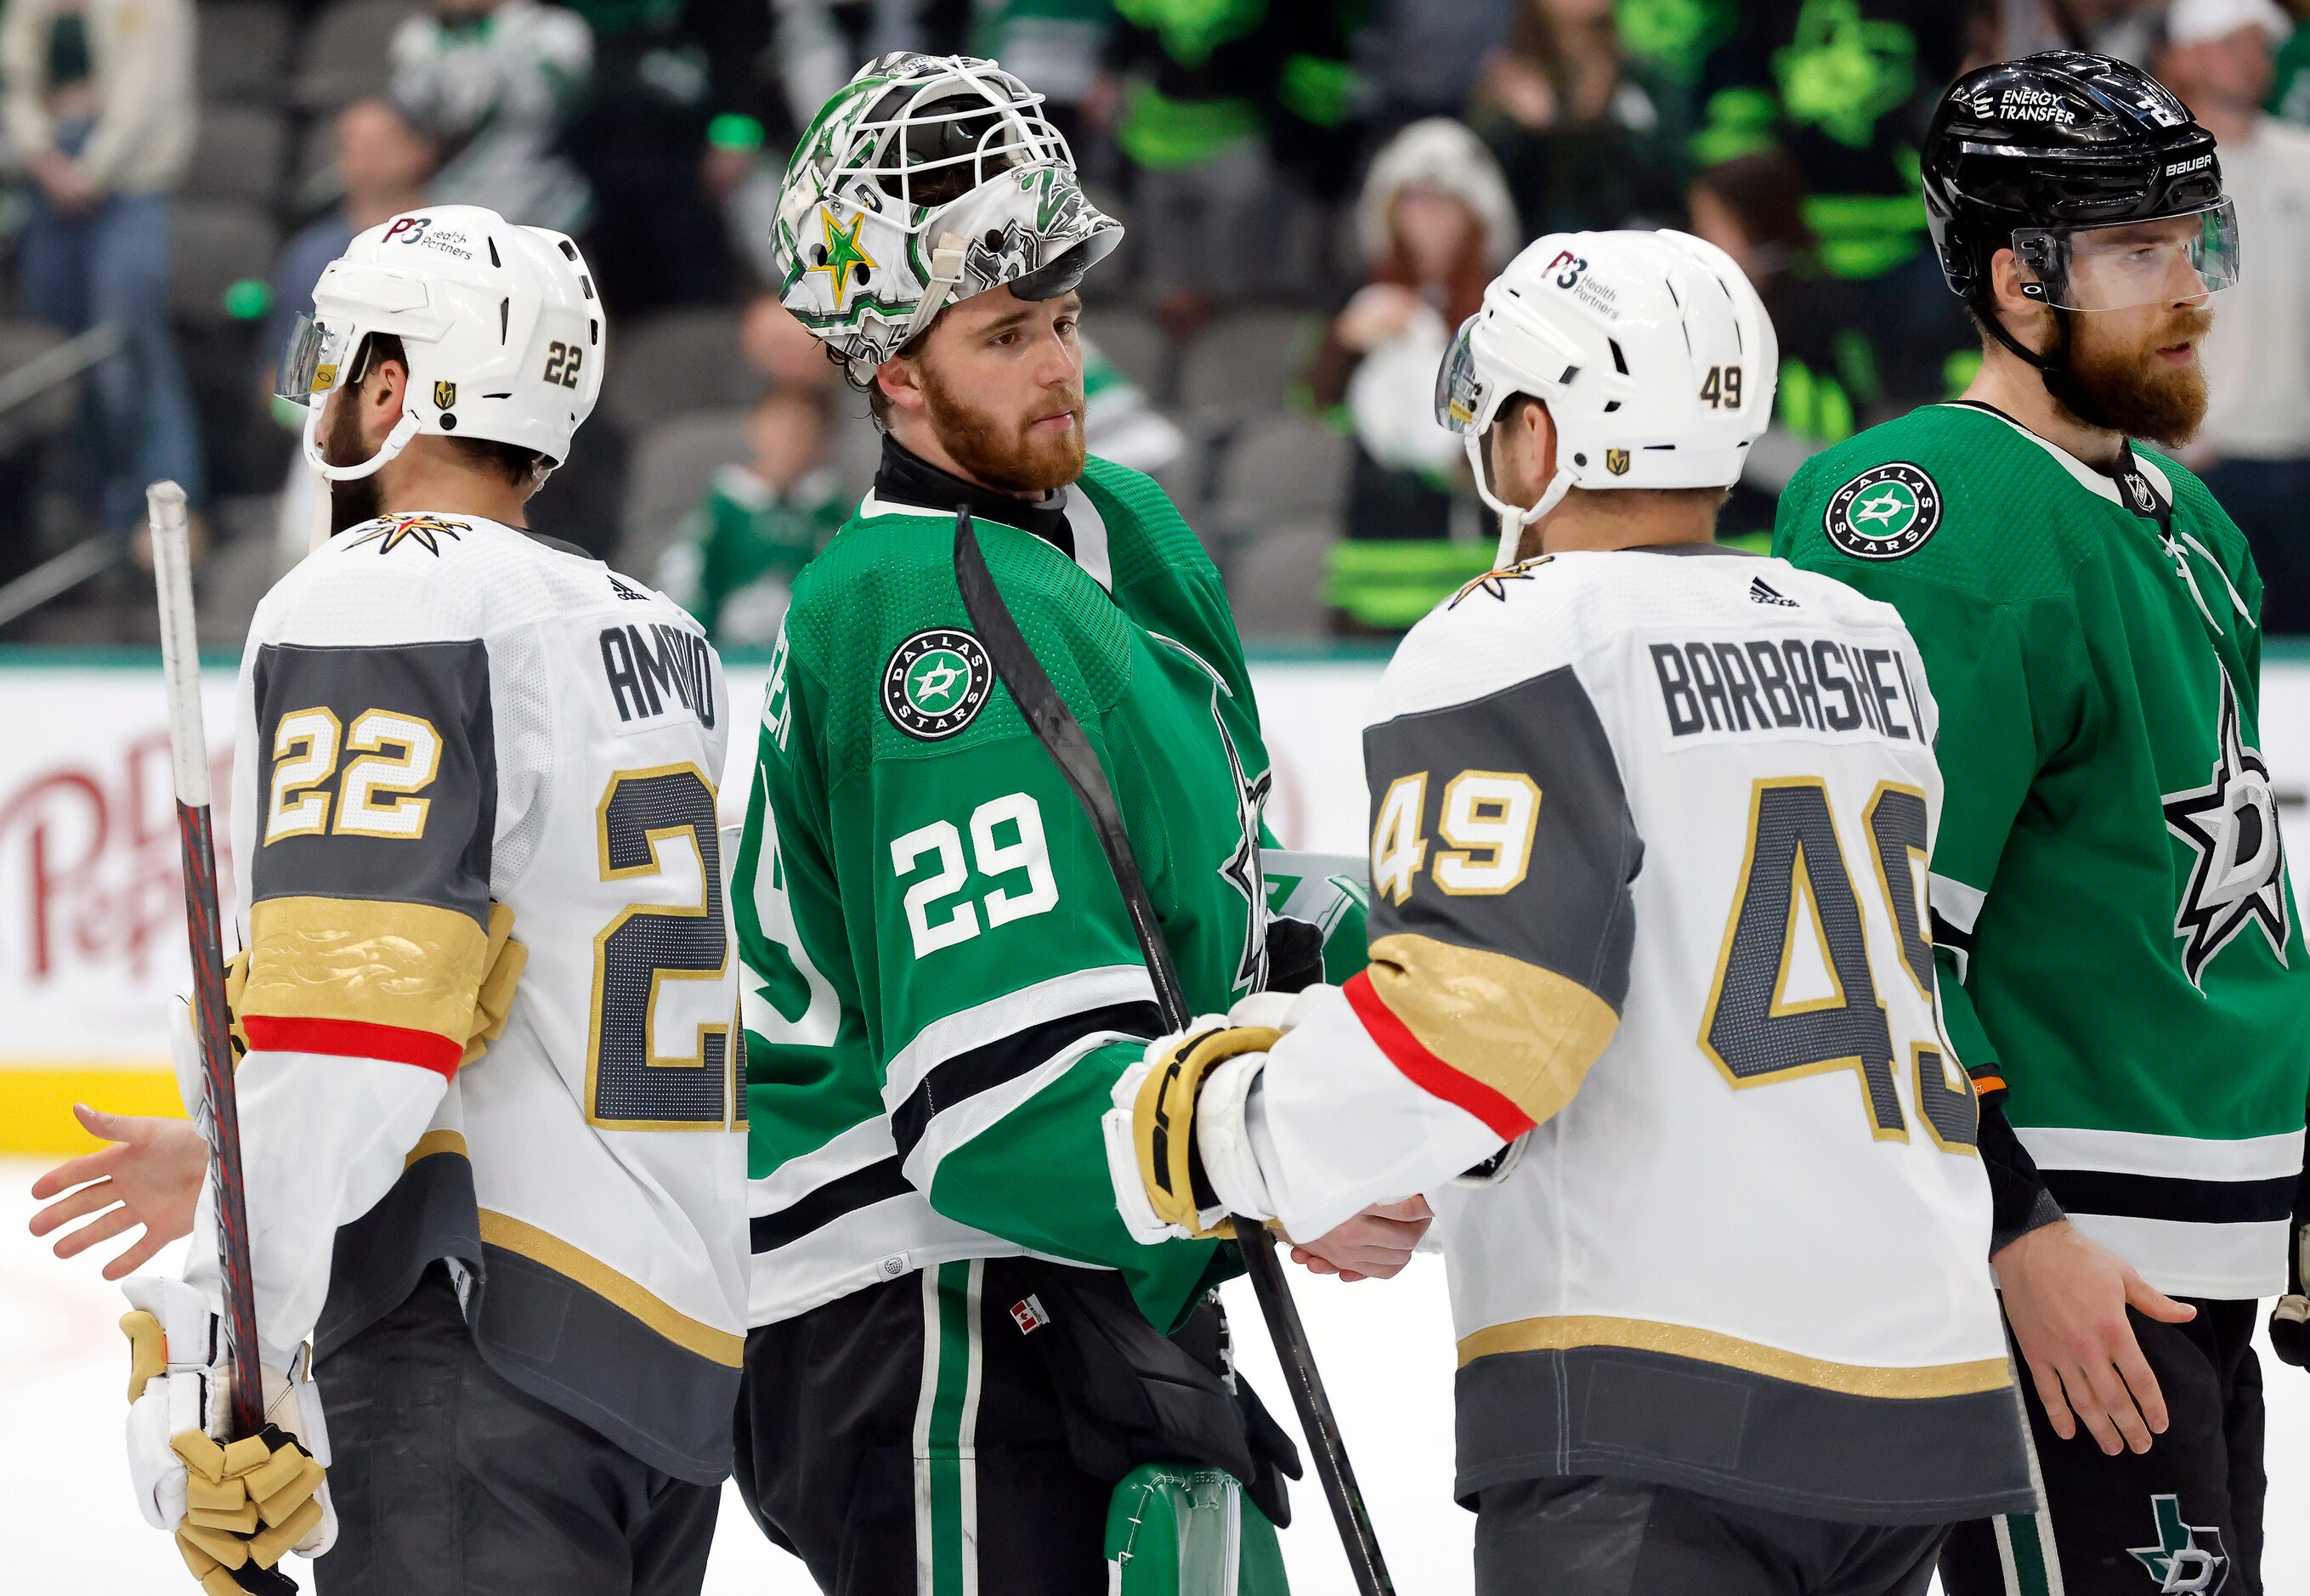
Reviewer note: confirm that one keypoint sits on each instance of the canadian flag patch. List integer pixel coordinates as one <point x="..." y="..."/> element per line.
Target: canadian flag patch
<point x="1029" y="1313"/>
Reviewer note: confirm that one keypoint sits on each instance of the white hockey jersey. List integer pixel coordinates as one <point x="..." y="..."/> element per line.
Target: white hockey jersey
<point x="1648" y="854"/>
<point x="437" y="713"/>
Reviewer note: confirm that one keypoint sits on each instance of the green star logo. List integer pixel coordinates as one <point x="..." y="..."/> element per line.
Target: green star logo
<point x="1885" y="511"/>
<point x="936" y="682"/>
<point x="840" y="256"/>
<point x="1845" y="72"/>
<point x="2187" y="1557"/>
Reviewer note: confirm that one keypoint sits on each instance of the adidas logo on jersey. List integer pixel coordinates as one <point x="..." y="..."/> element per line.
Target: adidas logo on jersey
<point x="1760" y="591"/>
<point x="624" y="592"/>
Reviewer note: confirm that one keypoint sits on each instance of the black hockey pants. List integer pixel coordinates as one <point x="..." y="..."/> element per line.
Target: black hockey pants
<point x="1596" y="1535"/>
<point x="451" y="1482"/>
<point x="2183" y="1516"/>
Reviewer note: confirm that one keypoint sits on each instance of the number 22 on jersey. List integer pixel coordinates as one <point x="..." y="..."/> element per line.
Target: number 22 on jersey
<point x="655" y="828"/>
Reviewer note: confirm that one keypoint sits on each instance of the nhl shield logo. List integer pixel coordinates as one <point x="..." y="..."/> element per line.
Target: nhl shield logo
<point x="936" y="684"/>
<point x="1616" y="460"/>
<point x="1885" y="513"/>
<point x="445" y="395"/>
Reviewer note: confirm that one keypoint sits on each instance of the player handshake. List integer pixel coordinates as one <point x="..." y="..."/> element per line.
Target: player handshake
<point x="1783" y="978"/>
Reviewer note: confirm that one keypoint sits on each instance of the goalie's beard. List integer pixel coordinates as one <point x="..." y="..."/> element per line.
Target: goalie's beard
<point x="1003" y="454"/>
<point x="360" y="500"/>
<point x="2128" y="387"/>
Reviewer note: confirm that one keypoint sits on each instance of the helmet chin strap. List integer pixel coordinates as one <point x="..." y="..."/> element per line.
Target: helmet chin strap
<point x="387" y="451"/>
<point x="1514" y="518"/>
<point x="2054" y="369"/>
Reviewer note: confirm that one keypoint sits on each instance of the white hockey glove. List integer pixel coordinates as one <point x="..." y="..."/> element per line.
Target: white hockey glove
<point x="1178" y="1153"/>
<point x="2289" y="1321"/>
<point x="228" y="1506"/>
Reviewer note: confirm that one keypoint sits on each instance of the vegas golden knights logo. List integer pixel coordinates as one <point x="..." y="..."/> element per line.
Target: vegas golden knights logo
<point x="1616" y="460"/>
<point x="445" y="395"/>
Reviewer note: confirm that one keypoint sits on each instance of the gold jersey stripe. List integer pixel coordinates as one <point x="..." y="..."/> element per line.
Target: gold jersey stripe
<point x="437" y="1141"/>
<point x="1562" y="1332"/>
<point x="405" y="965"/>
<point x="1527" y="1033"/>
<point x="539" y="1247"/>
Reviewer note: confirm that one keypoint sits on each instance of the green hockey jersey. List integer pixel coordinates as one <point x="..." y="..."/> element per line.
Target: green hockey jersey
<point x="2109" y="891"/>
<point x="942" y="983"/>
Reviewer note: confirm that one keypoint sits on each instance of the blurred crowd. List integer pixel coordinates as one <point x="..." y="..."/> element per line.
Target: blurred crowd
<point x="1316" y="193"/>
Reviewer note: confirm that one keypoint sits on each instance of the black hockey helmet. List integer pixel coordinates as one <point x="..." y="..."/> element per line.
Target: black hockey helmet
<point x="2025" y="155"/>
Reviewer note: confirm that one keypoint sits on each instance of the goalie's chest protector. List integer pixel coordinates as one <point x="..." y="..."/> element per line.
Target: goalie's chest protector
<point x="1749" y="1255"/>
<point x="509" y="721"/>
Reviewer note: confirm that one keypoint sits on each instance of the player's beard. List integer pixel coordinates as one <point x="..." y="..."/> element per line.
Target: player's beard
<point x="360" y="500"/>
<point x="2137" y="392"/>
<point x="1003" y="454"/>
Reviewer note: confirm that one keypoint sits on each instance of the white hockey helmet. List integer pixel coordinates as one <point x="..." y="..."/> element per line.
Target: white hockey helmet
<point x="1651" y="349"/>
<point x="502" y="329"/>
<point x="927" y="180"/>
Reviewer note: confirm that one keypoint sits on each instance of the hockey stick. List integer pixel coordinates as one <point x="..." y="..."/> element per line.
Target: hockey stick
<point x="1055" y="727"/>
<point x="181" y="666"/>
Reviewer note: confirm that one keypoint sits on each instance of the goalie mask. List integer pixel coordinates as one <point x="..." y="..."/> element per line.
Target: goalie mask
<point x="1651" y="349"/>
<point x="927" y="180"/>
<point x="499" y="324"/>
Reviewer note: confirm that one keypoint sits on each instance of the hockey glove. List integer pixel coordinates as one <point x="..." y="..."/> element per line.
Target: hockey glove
<point x="2289" y="1322"/>
<point x="229" y="1505"/>
<point x="1176" y="1147"/>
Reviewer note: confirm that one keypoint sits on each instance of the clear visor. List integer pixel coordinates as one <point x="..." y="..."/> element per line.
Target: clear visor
<point x="310" y="362"/>
<point x="2133" y="263"/>
<point x="1459" y="390"/>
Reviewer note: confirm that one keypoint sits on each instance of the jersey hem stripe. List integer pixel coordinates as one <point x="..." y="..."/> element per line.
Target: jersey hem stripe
<point x="1563" y="1332"/>
<point x="539" y="1247"/>
<point x="1425" y="1071"/>
<point x="846" y="1193"/>
<point x="2158" y="1197"/>
<point x="2185" y="1158"/>
<point x="2220" y="1262"/>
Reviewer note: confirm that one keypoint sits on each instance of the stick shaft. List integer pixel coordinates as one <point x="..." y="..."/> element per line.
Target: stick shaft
<point x="195" y="831"/>
<point x="1055" y="727"/>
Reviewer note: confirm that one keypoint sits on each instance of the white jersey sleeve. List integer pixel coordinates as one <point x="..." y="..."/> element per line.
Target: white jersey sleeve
<point x="366" y="778"/>
<point x="1503" y="853"/>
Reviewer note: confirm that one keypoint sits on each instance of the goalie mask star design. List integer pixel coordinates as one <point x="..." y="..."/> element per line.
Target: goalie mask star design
<point x="2238" y="878"/>
<point x="927" y="180"/>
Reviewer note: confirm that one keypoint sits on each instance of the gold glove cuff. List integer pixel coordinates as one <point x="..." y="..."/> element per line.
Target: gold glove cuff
<point x="1162" y="1120"/>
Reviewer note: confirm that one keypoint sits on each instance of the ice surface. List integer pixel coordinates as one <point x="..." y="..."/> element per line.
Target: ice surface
<point x="1385" y="1347"/>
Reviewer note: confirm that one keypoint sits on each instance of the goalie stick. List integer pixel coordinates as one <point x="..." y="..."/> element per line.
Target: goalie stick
<point x="1055" y="727"/>
<point x="180" y="666"/>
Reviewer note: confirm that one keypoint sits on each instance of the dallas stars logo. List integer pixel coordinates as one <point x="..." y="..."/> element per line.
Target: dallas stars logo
<point x="2187" y="1557"/>
<point x="392" y="531"/>
<point x="936" y="684"/>
<point x="840" y="257"/>
<point x="2239" y="876"/>
<point x="1884" y="513"/>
